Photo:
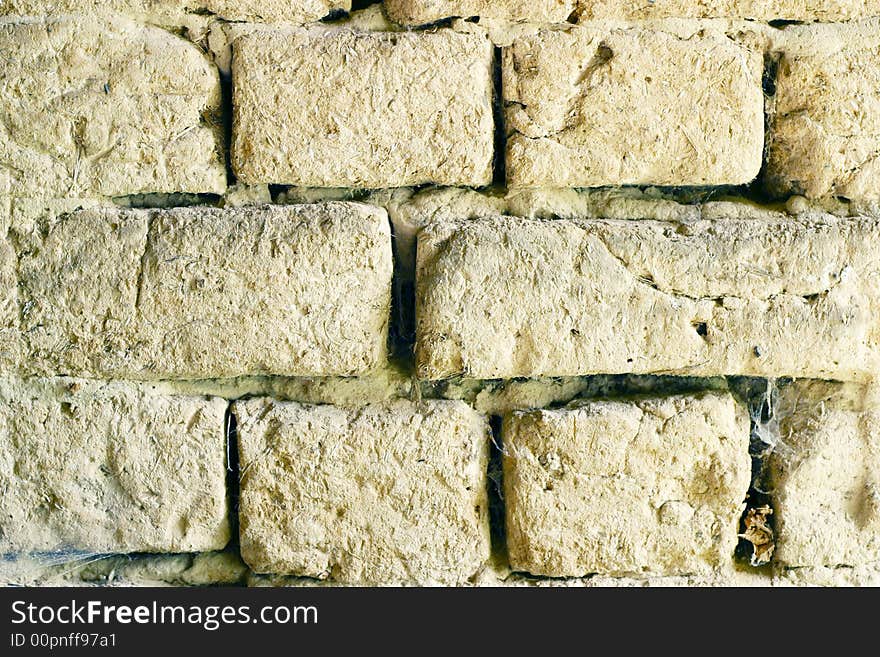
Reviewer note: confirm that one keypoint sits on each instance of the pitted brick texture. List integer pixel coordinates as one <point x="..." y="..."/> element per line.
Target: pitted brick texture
<point x="768" y="296"/>
<point x="197" y="293"/>
<point x="595" y="106"/>
<point x="824" y="134"/>
<point x="349" y="109"/>
<point x="106" y="107"/>
<point x="615" y="487"/>
<point x="110" y="468"/>
<point x="417" y="12"/>
<point x="760" y="10"/>
<point x="826" y="475"/>
<point x="386" y="494"/>
<point x="171" y="11"/>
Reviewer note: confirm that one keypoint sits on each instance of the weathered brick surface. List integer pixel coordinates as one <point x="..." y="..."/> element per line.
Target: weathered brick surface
<point x="385" y="494"/>
<point x="110" y="468"/>
<point x="768" y="295"/>
<point x="826" y="475"/>
<point x="417" y="12"/>
<point x="200" y="293"/>
<point x="762" y="10"/>
<point x="292" y="11"/>
<point x="614" y="487"/>
<point x="106" y="107"/>
<point x="825" y="121"/>
<point x="595" y="106"/>
<point x="350" y="109"/>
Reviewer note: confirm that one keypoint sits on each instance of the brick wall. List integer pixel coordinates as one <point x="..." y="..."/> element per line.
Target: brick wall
<point x="458" y="292"/>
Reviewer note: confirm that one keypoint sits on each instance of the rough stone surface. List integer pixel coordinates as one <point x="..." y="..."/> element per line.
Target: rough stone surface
<point x="824" y="136"/>
<point x="199" y="292"/>
<point x="826" y="475"/>
<point x="595" y="106"/>
<point x="358" y="109"/>
<point x="110" y="468"/>
<point x="171" y="11"/>
<point x="106" y="107"/>
<point x="386" y="494"/>
<point x="762" y="10"/>
<point x="765" y="295"/>
<point x="615" y="487"/>
<point x="419" y="12"/>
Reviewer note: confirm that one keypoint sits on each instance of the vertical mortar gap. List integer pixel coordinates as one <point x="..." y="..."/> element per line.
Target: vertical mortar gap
<point x="495" y="481"/>
<point x="226" y="124"/>
<point x="757" y="189"/>
<point x="233" y="485"/>
<point x="759" y="396"/>
<point x="499" y="164"/>
<point x="401" y="328"/>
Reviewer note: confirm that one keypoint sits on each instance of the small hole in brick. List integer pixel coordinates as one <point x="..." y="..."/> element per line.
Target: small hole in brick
<point x="702" y="329"/>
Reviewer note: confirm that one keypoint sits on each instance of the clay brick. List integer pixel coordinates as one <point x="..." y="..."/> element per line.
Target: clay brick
<point x="196" y="293"/>
<point x="385" y="494"/>
<point x="357" y="109"/>
<point x="762" y="10"/>
<point x="613" y="487"/>
<point x="419" y="12"/>
<point x="595" y="106"/>
<point x="766" y="295"/>
<point x="110" y="468"/>
<point x="106" y="107"/>
<point x="175" y="11"/>
<point x="824" y="132"/>
<point x="825" y="473"/>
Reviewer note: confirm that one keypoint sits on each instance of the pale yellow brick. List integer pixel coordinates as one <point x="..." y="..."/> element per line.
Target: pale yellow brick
<point x="601" y="105"/>
<point x="175" y="11"/>
<point x="98" y="467"/>
<point x="419" y="12"/>
<point x="764" y="294"/>
<point x="196" y="293"/>
<point x="386" y="494"/>
<point x="649" y="486"/>
<point x="106" y="107"/>
<point x="762" y="10"/>
<point x="824" y="133"/>
<point x="358" y="109"/>
<point x="825" y="475"/>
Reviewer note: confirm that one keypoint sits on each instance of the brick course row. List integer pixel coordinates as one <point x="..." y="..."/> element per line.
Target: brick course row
<point x="397" y="492"/>
<point x="198" y="293"/>
<point x="417" y="12"/>
<point x="585" y="106"/>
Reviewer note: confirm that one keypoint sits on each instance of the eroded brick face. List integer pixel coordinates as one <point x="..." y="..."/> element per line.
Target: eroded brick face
<point x="452" y="292"/>
<point x="101" y="468"/>
<point x="615" y="487"/>
<point x="200" y="293"/>
<point x="175" y="11"/>
<point x="826" y="475"/>
<point x="599" y="106"/>
<point x="825" y="119"/>
<point x="507" y="297"/>
<point x="82" y="120"/>
<point x="416" y="12"/>
<point x="414" y="108"/>
<point x="382" y="495"/>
